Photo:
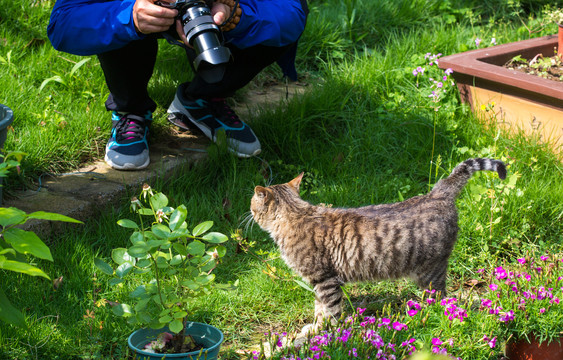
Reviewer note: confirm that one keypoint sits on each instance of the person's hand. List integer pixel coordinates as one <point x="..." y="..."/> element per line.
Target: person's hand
<point x="150" y="18"/>
<point x="220" y="12"/>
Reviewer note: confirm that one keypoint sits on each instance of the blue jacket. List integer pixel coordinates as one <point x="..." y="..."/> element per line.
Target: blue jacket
<point x="88" y="27"/>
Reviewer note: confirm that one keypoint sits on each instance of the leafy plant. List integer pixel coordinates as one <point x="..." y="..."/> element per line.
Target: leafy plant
<point x="554" y="15"/>
<point x="179" y="261"/>
<point x="16" y="244"/>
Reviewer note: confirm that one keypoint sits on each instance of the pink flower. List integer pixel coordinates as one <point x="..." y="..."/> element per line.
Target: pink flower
<point x="399" y="326"/>
<point x="493" y="287"/>
<point x="491" y="342"/>
<point x="522" y="261"/>
<point x="500" y="273"/>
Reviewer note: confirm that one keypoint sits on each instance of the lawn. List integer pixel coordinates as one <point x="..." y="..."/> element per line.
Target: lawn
<point x="364" y="132"/>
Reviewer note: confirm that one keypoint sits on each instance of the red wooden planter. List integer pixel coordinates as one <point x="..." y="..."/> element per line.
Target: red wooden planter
<point x="521" y="101"/>
<point x="523" y="350"/>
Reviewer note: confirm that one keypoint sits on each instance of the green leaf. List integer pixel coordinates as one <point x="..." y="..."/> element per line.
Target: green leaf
<point x="115" y="281"/>
<point x="304" y="285"/>
<point x="138" y="251"/>
<point x="137" y="238"/>
<point x="26" y="242"/>
<point x="78" y="65"/>
<point x="196" y="248"/>
<point x="138" y="292"/>
<point x="43" y="215"/>
<point x="145" y="211"/>
<point x="202" y="228"/>
<point x="179" y="315"/>
<point x="23" y="268"/>
<point x="190" y="284"/>
<point x="205" y="279"/>
<point x="176" y="260"/>
<point x="142" y="304"/>
<point x="180" y="248"/>
<point x="122" y="310"/>
<point x="9" y="314"/>
<point x="103" y="266"/>
<point x="158" y="201"/>
<point x="126" y="223"/>
<point x="143" y="263"/>
<point x="176" y="326"/>
<point x="178" y="217"/>
<point x="120" y="256"/>
<point x="12" y="216"/>
<point x="161" y="231"/>
<point x="165" y="319"/>
<point x="56" y="78"/>
<point x="215" y="237"/>
<point x="123" y="269"/>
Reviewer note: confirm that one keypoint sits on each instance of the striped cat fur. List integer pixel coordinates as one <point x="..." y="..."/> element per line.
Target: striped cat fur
<point x="329" y="247"/>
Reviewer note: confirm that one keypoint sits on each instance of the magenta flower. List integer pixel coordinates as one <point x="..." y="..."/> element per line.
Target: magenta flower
<point x="522" y="261"/>
<point x="399" y="326"/>
<point x="493" y="287"/>
<point x="500" y="273"/>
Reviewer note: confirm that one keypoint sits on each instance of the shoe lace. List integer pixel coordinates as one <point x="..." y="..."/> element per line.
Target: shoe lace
<point x="130" y="127"/>
<point x="224" y="112"/>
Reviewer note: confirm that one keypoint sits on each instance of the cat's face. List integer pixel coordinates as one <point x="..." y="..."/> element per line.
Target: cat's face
<point x="265" y="202"/>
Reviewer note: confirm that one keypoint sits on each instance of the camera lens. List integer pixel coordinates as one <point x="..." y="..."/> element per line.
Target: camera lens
<point x="203" y="34"/>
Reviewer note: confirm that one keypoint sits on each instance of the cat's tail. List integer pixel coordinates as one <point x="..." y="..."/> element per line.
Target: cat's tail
<point x="452" y="185"/>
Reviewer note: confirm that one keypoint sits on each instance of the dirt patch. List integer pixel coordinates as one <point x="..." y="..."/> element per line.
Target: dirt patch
<point x="550" y="68"/>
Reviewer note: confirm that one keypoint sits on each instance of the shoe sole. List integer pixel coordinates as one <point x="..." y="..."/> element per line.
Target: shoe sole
<point x="126" y="166"/>
<point x="180" y="119"/>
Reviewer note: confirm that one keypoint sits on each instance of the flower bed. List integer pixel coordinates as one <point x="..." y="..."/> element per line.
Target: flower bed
<point x="515" y="300"/>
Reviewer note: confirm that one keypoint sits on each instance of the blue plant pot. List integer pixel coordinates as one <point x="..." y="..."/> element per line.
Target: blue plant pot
<point x="208" y="336"/>
<point x="6" y="118"/>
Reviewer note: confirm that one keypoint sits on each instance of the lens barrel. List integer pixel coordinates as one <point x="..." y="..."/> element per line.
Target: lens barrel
<point x="204" y="35"/>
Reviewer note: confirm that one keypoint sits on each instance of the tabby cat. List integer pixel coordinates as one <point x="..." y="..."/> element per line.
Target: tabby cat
<point x="332" y="246"/>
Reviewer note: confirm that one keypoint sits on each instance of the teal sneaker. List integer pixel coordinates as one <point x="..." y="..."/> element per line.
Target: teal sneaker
<point x="210" y="116"/>
<point x="127" y="148"/>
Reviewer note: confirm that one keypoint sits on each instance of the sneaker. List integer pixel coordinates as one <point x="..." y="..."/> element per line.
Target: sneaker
<point x="211" y="116"/>
<point x="127" y="148"/>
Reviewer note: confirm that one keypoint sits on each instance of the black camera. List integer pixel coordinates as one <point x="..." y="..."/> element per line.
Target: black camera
<point x="204" y="36"/>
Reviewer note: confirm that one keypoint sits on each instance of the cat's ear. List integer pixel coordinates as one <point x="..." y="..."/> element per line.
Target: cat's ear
<point x="263" y="193"/>
<point x="294" y="184"/>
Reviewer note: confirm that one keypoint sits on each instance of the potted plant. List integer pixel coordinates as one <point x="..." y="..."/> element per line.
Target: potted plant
<point x="172" y="265"/>
<point x="556" y="16"/>
<point x="525" y="299"/>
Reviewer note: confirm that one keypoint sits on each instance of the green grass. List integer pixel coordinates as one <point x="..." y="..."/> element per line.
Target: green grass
<point x="362" y="133"/>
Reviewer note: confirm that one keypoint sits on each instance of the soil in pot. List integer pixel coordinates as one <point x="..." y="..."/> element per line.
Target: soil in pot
<point x="550" y="68"/>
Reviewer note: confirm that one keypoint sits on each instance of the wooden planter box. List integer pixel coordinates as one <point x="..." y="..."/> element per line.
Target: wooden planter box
<point x="521" y="101"/>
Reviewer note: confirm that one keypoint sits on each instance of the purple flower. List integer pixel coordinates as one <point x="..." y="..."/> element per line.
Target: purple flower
<point x="448" y="71"/>
<point x="491" y="342"/>
<point x="522" y="261"/>
<point x="542" y="310"/>
<point x="493" y="287"/>
<point x="493" y="41"/>
<point x="507" y="316"/>
<point x="477" y="42"/>
<point x="436" y="341"/>
<point x="412" y="312"/>
<point x="399" y="326"/>
<point x="500" y="273"/>
<point x="353" y="352"/>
